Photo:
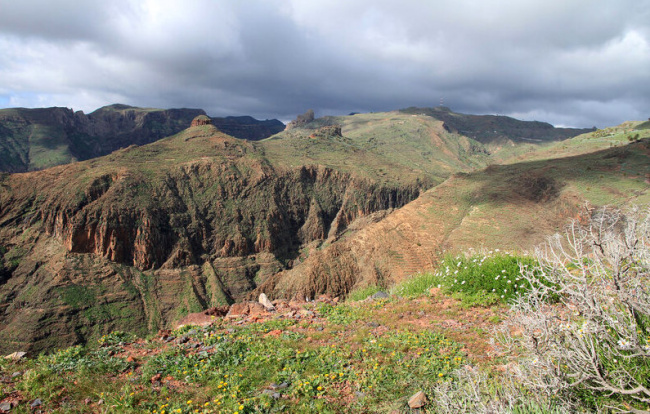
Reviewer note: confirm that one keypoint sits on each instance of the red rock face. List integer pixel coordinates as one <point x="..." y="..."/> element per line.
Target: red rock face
<point x="201" y="120"/>
<point x="272" y="212"/>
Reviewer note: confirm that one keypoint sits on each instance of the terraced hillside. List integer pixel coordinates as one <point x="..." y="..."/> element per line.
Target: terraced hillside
<point x="513" y="206"/>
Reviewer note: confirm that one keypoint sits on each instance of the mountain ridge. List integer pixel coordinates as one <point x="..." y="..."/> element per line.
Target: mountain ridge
<point x="37" y="138"/>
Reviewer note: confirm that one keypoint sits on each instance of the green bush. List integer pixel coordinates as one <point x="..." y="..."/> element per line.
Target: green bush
<point x="477" y="280"/>
<point x="484" y="279"/>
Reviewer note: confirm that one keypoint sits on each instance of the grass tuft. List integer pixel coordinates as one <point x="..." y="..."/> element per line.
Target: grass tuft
<point x="363" y="293"/>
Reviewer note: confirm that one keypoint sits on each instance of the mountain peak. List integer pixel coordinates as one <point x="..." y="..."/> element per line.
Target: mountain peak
<point x="201" y="120"/>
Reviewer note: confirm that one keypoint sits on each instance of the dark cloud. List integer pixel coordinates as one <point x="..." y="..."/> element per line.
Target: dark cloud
<point x="579" y="62"/>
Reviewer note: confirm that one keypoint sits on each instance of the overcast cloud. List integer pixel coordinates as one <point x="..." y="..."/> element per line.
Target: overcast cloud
<point x="568" y="62"/>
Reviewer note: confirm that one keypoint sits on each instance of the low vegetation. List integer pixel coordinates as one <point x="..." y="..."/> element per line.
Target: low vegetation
<point x="475" y="279"/>
<point x="271" y="366"/>
<point x="575" y="337"/>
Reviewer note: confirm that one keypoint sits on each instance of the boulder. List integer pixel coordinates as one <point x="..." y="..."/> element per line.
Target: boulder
<point x="379" y="295"/>
<point x="418" y="400"/>
<point x="16" y="356"/>
<point x="266" y="302"/>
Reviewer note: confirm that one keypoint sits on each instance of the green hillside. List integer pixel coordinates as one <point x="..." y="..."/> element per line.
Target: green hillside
<point x="390" y="146"/>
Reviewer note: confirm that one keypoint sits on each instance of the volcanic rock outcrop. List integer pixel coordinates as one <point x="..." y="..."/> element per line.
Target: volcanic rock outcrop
<point x="301" y="120"/>
<point x="201" y="120"/>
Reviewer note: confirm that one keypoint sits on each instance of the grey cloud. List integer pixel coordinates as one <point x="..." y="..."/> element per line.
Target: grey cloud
<point x="580" y="62"/>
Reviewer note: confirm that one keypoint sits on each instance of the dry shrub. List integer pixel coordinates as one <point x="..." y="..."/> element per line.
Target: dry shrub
<point x="585" y="331"/>
<point x="538" y="187"/>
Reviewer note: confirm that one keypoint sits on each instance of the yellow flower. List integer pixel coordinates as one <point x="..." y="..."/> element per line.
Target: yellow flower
<point x="441" y="375"/>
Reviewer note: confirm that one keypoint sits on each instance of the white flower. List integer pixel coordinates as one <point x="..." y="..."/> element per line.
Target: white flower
<point x="496" y="278"/>
<point x="496" y="250"/>
<point x="624" y="344"/>
<point x="501" y="296"/>
<point x="455" y="272"/>
<point x="462" y="283"/>
<point x="494" y="290"/>
<point x="503" y="271"/>
<point x="509" y="281"/>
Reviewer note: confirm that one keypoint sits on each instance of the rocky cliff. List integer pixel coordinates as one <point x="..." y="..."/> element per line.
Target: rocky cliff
<point x="118" y="243"/>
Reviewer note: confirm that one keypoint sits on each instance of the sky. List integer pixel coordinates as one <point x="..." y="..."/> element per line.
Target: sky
<point x="579" y="63"/>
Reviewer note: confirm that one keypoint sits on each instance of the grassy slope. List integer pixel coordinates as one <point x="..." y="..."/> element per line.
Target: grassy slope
<point x="500" y="207"/>
<point x="389" y="146"/>
<point x="495" y="130"/>
<point x="32" y="141"/>
<point x="581" y="144"/>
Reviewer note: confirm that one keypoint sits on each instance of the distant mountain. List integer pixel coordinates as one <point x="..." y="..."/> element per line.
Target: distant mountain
<point x="34" y="139"/>
<point x="246" y="127"/>
<point x="489" y="129"/>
